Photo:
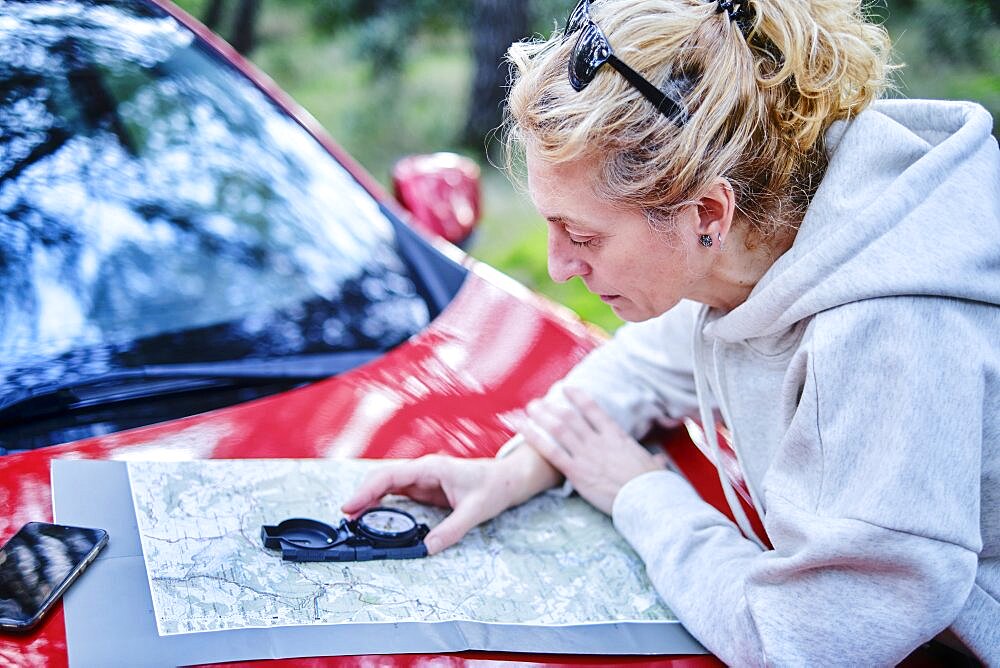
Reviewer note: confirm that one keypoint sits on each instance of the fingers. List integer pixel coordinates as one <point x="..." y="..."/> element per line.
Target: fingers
<point x="452" y="528"/>
<point x="466" y="485"/>
<point x="556" y="429"/>
<point x="382" y="481"/>
<point x="591" y="411"/>
<point x="562" y="422"/>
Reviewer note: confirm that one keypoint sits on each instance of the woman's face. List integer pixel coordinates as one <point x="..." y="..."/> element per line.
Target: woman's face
<point x="638" y="272"/>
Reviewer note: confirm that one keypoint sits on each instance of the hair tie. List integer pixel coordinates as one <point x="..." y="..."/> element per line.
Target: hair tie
<point x="738" y="10"/>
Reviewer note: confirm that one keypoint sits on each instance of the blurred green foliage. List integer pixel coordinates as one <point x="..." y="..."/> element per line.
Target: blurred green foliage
<point x="950" y="49"/>
<point x="387" y="27"/>
<point x="323" y="53"/>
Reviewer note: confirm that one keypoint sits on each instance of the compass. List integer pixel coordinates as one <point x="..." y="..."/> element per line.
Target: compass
<point x="377" y="533"/>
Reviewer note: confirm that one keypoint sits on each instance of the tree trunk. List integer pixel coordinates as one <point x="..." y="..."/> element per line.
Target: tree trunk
<point x="495" y="25"/>
<point x="244" y="37"/>
<point x="213" y="15"/>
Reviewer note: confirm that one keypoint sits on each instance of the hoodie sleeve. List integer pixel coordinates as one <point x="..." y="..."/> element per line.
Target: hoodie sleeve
<point x="871" y="501"/>
<point x="643" y="376"/>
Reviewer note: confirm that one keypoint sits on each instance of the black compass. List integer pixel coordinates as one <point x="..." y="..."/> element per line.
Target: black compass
<point x="377" y="533"/>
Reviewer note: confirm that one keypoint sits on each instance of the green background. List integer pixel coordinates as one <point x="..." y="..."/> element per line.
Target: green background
<point x="950" y="49"/>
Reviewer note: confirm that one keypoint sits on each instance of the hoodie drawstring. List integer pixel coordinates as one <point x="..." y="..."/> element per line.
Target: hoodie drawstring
<point x="708" y="426"/>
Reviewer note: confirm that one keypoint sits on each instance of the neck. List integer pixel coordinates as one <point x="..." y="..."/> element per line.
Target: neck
<point x="738" y="268"/>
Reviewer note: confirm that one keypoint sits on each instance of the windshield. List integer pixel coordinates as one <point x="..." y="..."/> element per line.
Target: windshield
<point x="157" y="208"/>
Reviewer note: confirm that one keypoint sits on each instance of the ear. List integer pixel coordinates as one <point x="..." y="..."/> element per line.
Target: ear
<point x="716" y="207"/>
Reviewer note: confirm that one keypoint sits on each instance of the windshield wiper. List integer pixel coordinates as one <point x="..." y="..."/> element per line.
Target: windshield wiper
<point x="158" y="380"/>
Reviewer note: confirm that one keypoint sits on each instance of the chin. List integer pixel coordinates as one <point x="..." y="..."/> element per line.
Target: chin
<point x="630" y="312"/>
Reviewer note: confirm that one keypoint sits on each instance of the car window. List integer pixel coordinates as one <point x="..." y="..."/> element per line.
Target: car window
<point x="157" y="208"/>
<point x="148" y="189"/>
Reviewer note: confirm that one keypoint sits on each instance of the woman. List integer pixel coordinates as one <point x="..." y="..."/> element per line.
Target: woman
<point x="817" y="269"/>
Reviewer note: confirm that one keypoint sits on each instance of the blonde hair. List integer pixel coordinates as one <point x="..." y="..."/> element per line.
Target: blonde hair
<point x="757" y="104"/>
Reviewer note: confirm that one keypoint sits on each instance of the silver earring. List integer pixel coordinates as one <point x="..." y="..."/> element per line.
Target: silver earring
<point x="719" y="237"/>
<point x="706" y="240"/>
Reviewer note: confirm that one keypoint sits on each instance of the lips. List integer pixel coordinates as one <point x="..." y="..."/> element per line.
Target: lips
<point x="606" y="298"/>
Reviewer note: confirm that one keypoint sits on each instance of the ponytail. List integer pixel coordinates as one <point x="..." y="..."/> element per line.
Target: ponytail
<point x="816" y="62"/>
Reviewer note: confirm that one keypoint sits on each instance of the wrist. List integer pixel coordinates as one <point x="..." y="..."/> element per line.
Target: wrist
<point x="525" y="473"/>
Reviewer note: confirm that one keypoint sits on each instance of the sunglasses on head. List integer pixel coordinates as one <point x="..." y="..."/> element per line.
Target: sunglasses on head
<point x="592" y="50"/>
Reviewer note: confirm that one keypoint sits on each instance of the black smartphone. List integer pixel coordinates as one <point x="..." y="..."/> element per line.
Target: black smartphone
<point x="37" y="565"/>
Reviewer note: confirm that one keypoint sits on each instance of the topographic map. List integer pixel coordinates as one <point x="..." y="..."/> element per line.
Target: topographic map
<point x="551" y="561"/>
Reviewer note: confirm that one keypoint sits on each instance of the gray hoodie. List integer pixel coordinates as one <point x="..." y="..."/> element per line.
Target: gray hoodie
<point x="861" y="383"/>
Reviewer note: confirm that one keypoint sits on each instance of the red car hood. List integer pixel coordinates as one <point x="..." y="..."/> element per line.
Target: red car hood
<point x="445" y="390"/>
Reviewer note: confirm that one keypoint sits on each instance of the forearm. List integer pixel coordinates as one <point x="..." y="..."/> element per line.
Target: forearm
<point x="525" y="472"/>
<point x="835" y="591"/>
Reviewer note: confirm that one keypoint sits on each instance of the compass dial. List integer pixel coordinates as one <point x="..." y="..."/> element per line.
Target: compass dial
<point x="386" y="522"/>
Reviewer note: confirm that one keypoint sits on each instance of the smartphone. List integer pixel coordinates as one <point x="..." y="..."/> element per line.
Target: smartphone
<point x="37" y="565"/>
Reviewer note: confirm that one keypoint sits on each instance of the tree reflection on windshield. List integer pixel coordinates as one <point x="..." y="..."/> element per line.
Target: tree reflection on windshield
<point x="155" y="207"/>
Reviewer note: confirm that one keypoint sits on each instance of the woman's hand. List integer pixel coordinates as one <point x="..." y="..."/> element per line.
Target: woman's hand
<point x="475" y="489"/>
<point x="587" y="446"/>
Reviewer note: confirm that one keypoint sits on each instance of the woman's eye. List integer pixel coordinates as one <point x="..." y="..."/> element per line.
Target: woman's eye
<point x="588" y="243"/>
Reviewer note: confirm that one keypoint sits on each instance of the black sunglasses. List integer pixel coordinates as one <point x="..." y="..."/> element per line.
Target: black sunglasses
<point x="592" y="50"/>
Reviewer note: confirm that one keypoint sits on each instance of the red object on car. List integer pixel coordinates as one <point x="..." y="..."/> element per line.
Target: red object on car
<point x="442" y="193"/>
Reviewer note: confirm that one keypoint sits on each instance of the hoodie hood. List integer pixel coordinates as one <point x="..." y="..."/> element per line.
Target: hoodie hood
<point x="909" y="205"/>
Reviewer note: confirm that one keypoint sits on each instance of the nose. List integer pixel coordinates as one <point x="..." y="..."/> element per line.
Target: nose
<point x="563" y="259"/>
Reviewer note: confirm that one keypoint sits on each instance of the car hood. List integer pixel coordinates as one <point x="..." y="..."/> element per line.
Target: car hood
<point x="449" y="389"/>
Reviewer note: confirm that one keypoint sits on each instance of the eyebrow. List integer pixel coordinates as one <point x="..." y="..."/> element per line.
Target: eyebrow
<point x="565" y="222"/>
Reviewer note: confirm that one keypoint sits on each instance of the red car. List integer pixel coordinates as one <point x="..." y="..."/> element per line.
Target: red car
<point x="190" y="268"/>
